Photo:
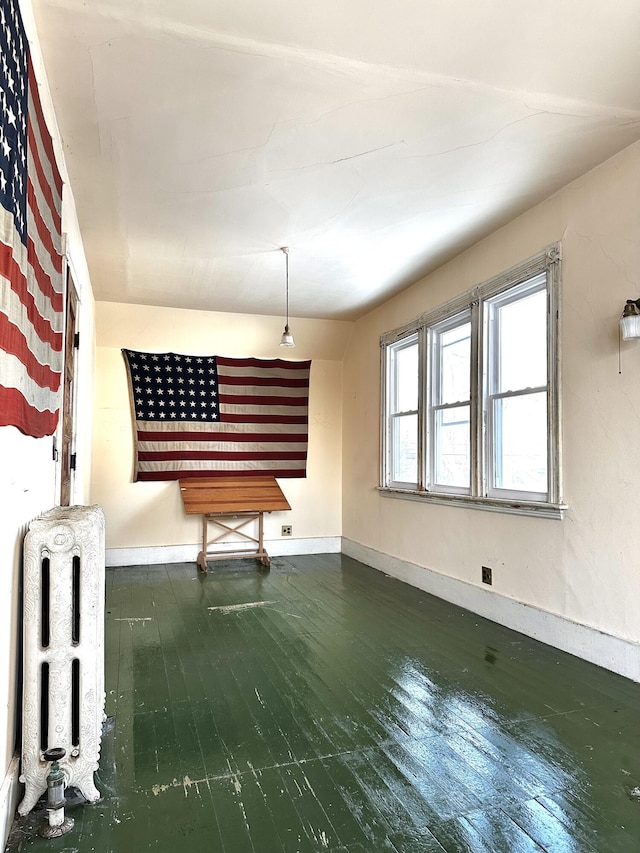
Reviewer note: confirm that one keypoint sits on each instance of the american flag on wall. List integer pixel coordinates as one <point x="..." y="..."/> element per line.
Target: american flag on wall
<point x="31" y="283"/>
<point x="207" y="416"/>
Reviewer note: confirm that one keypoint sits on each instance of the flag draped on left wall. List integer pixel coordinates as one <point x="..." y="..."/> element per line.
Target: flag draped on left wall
<point x="31" y="286"/>
<point x="210" y="416"/>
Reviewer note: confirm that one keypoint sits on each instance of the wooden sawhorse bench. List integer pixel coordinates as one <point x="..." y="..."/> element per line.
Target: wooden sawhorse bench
<point x="230" y="503"/>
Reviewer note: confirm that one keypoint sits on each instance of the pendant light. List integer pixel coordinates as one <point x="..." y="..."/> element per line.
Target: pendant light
<point x="287" y="338"/>
<point x="630" y="320"/>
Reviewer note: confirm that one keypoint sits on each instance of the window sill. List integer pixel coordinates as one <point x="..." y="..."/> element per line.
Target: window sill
<point x="513" y="507"/>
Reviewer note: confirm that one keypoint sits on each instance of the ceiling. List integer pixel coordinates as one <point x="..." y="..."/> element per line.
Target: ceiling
<point x="376" y="140"/>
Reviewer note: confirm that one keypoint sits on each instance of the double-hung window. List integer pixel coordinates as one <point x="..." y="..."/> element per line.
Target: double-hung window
<point x="403" y="410"/>
<point x="471" y="396"/>
<point x="449" y="406"/>
<point x="517" y="390"/>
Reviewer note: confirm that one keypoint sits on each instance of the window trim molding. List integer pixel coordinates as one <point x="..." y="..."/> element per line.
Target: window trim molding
<point x="514" y="507"/>
<point x="549" y="261"/>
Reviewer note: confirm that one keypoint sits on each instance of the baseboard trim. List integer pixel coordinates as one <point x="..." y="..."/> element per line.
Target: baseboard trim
<point x="613" y="653"/>
<point x="150" y="556"/>
<point x="9" y="796"/>
<point x="313" y="545"/>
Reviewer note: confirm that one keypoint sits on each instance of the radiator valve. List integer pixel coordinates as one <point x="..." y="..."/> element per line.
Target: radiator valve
<point x="55" y="823"/>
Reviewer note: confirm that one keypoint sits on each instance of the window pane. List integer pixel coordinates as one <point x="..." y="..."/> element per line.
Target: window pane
<point x="455" y="364"/>
<point x="520" y="430"/>
<point x="405" y="449"/>
<point x="523" y="343"/>
<point x="452" y="447"/>
<point x="405" y="379"/>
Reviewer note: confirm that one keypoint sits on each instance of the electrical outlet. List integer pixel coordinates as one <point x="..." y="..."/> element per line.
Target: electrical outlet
<point x="487" y="575"/>
<point x="286" y="530"/>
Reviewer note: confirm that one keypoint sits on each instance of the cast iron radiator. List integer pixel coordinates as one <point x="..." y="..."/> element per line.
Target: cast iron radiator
<point x="63" y="703"/>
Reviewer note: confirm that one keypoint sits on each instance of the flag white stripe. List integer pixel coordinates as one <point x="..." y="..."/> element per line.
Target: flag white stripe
<point x="262" y="372"/>
<point x="14" y="375"/>
<point x="223" y="465"/>
<point x="12" y="307"/>
<point x="45" y="163"/>
<point x="42" y="301"/>
<point x="43" y="203"/>
<point x="179" y="425"/>
<point x="171" y="445"/>
<point x="9" y="236"/>
<point x="44" y="258"/>
<point x="260" y="409"/>
<point x="260" y="390"/>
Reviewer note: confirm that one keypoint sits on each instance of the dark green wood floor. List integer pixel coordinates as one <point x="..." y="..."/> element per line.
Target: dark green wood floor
<point x="326" y="707"/>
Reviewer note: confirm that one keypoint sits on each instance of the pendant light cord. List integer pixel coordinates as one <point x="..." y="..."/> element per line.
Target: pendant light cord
<point x="287" y="337"/>
<point x="619" y="355"/>
<point x="286" y="252"/>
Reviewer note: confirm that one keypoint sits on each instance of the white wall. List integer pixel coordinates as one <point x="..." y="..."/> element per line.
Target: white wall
<point x="150" y="516"/>
<point x="29" y="485"/>
<point x="26" y="488"/>
<point x="583" y="569"/>
<point x="29" y="477"/>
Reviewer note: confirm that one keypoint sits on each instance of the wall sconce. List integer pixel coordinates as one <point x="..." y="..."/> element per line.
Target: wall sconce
<point x="630" y="320"/>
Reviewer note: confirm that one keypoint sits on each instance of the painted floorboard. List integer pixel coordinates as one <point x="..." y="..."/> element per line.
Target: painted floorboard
<point x="324" y="706"/>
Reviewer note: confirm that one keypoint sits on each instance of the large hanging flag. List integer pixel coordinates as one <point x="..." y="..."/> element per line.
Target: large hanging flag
<point x="208" y="416"/>
<point x="31" y="285"/>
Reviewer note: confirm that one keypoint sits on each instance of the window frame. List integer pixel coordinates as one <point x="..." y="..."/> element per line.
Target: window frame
<point x="492" y="305"/>
<point x="394" y="415"/>
<point x="475" y="305"/>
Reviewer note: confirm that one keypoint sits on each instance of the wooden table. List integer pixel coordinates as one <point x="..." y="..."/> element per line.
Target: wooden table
<point x="230" y="503"/>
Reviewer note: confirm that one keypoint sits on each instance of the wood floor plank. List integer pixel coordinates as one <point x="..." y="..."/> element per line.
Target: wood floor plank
<point x="551" y="833"/>
<point x="499" y="832"/>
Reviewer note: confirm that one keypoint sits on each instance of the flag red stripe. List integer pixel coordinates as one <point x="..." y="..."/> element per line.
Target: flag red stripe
<point x="227" y="456"/>
<point x="45" y="188"/>
<point x="261" y="363"/>
<point x="287" y="382"/>
<point x="15" y="343"/>
<point x="251" y="399"/>
<point x="44" y="282"/>
<point x="177" y="475"/>
<point x="44" y="135"/>
<point x="145" y="435"/>
<point x="12" y="272"/>
<point x="16" y="411"/>
<point x="43" y="230"/>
